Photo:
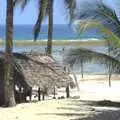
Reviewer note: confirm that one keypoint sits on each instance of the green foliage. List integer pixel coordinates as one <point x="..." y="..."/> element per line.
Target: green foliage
<point x="109" y="35"/>
<point x="99" y="16"/>
<point x="74" y="57"/>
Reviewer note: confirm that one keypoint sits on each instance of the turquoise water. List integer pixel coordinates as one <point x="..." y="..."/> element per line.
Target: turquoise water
<point x="25" y="32"/>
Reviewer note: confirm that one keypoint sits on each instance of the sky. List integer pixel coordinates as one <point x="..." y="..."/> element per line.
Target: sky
<point x="29" y="15"/>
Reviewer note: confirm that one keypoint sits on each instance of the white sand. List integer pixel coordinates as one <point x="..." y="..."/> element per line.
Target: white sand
<point x="72" y="109"/>
<point x="96" y="87"/>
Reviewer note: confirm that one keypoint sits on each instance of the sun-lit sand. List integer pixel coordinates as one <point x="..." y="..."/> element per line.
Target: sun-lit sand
<point x="77" y="42"/>
<point x="96" y="87"/>
<point x="92" y="88"/>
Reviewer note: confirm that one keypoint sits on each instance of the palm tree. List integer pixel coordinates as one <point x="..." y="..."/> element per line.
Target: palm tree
<point x="50" y="27"/>
<point x="46" y="9"/>
<point x="74" y="56"/>
<point x="82" y="68"/>
<point x="99" y="16"/>
<point x="109" y="68"/>
<point x="103" y="18"/>
<point x="8" y="77"/>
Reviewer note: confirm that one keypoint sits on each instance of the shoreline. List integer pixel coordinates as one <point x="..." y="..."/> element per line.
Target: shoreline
<point x="97" y="77"/>
<point x="57" y="42"/>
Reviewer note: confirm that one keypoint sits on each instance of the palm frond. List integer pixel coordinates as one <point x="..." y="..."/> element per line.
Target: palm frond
<point x="43" y="11"/>
<point x="16" y="2"/>
<point x="109" y="35"/>
<point x="75" y="56"/>
<point x="110" y="19"/>
<point x="71" y="6"/>
<point x="23" y="3"/>
<point x="102" y="13"/>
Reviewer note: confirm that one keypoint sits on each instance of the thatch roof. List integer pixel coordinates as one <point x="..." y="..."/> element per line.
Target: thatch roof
<point x="37" y="69"/>
<point x="40" y="70"/>
<point x="34" y="69"/>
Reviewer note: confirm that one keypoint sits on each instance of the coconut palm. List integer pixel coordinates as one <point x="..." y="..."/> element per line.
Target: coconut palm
<point x="8" y="77"/>
<point x="50" y="27"/>
<point x="104" y="18"/>
<point x="46" y="9"/>
<point x="99" y="16"/>
<point x="109" y="68"/>
<point x="112" y="41"/>
<point x="74" y="56"/>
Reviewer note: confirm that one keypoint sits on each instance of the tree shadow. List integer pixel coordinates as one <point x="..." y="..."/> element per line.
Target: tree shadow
<point x="102" y="103"/>
<point x="104" y="115"/>
<point x="91" y="112"/>
<point x="76" y="109"/>
<point x="87" y="110"/>
<point x="80" y="102"/>
<point x="107" y="103"/>
<point x="62" y="114"/>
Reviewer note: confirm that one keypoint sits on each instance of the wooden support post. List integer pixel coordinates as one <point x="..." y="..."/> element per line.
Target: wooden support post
<point x="39" y="94"/>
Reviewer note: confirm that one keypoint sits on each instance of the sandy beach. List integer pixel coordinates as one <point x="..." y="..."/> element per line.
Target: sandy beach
<point x="60" y="110"/>
<point x="81" y="106"/>
<point x="78" y="42"/>
<point x="60" y="61"/>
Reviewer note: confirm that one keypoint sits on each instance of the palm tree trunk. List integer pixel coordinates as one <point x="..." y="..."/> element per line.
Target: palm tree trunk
<point x="110" y="78"/>
<point x="50" y="27"/>
<point x="43" y="95"/>
<point x="109" y="67"/>
<point x="54" y="92"/>
<point x="82" y="68"/>
<point x="39" y="94"/>
<point x="76" y="81"/>
<point x="8" y="77"/>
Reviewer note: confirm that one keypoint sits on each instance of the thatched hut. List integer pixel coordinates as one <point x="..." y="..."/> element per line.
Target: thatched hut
<point x="33" y="69"/>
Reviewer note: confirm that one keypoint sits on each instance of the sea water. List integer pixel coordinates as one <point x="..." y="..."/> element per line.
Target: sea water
<point x="60" y="32"/>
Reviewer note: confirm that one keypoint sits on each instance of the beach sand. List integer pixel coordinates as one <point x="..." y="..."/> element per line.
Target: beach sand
<point x="70" y="109"/>
<point x="78" y="42"/>
<point x="81" y="106"/>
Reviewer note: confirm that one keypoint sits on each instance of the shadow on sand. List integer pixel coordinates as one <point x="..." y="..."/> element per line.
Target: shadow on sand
<point x="88" y="110"/>
<point x="91" y="111"/>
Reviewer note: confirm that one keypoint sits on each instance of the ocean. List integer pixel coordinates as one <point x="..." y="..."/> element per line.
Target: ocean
<point x="60" y="32"/>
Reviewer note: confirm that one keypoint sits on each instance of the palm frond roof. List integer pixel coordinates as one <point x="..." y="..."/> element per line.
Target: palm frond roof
<point x="36" y="69"/>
